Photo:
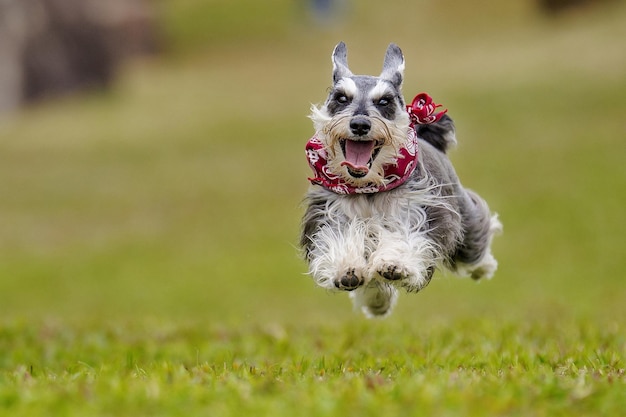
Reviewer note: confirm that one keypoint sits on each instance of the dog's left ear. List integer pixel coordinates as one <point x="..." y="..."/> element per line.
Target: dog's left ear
<point x="340" y="62"/>
<point x="393" y="67"/>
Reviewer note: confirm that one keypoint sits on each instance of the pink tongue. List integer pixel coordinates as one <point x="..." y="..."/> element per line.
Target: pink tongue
<point x="358" y="154"/>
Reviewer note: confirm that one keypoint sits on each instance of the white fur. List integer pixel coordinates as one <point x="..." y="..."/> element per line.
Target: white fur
<point x="348" y="86"/>
<point x="338" y="250"/>
<point x="401" y="66"/>
<point x="380" y="89"/>
<point x="385" y="229"/>
<point x="319" y="117"/>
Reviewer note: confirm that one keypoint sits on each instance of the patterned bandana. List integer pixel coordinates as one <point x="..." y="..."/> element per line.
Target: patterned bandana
<point x="421" y="111"/>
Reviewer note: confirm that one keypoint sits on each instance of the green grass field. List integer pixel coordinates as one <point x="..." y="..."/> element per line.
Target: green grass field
<point x="148" y="260"/>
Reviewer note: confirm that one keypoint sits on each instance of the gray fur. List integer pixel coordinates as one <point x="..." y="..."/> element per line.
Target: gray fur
<point x="440" y="134"/>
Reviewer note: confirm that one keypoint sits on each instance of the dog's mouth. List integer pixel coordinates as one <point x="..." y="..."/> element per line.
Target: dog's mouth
<point x="359" y="155"/>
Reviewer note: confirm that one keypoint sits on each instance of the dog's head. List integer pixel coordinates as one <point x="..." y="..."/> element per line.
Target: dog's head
<point x="363" y="123"/>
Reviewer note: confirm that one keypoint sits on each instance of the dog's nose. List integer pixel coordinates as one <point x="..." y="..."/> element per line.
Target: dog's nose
<point x="360" y="125"/>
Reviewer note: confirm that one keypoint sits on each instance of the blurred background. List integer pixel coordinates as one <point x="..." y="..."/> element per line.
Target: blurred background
<point x="152" y="163"/>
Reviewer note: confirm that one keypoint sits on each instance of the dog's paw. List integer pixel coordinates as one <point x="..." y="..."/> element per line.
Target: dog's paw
<point x="393" y="272"/>
<point x="418" y="283"/>
<point x="485" y="268"/>
<point x="350" y="280"/>
<point x="405" y="278"/>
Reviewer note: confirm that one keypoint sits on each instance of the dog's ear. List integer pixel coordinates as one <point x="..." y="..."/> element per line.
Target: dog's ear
<point x="393" y="67"/>
<point x="340" y="62"/>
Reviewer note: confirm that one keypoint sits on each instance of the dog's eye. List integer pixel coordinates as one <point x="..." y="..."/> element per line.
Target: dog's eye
<point x="341" y="98"/>
<point x="383" y="101"/>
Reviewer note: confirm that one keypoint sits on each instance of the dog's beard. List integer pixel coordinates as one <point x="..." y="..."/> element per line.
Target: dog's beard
<point x="360" y="160"/>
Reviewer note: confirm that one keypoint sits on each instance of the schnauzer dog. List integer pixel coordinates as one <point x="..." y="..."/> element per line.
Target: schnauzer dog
<point x="385" y="207"/>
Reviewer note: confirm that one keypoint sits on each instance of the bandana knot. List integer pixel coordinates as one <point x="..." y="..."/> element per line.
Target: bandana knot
<point x="421" y="111"/>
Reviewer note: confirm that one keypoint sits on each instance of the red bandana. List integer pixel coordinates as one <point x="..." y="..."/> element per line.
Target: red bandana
<point x="421" y="111"/>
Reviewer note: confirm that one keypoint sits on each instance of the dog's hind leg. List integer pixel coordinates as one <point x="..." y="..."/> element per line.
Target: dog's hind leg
<point x="376" y="299"/>
<point x="473" y="257"/>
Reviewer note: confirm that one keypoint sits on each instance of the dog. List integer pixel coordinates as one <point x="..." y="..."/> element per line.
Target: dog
<point x="385" y="207"/>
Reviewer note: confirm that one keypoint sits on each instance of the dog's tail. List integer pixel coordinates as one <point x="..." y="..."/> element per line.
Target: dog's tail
<point x="440" y="134"/>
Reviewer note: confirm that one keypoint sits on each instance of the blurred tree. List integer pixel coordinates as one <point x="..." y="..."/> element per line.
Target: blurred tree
<point x="554" y="7"/>
<point x="52" y="47"/>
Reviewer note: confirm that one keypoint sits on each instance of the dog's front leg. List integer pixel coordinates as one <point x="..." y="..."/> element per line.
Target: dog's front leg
<point x="337" y="255"/>
<point x="404" y="258"/>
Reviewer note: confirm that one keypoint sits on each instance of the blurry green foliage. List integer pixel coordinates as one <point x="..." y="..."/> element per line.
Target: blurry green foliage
<point x="197" y="24"/>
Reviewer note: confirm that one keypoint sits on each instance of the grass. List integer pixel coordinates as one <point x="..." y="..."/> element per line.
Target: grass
<point x="364" y="369"/>
<point x="147" y="234"/>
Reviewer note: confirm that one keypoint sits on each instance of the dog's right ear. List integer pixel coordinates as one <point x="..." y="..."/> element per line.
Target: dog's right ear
<point x="340" y="62"/>
<point x="393" y="67"/>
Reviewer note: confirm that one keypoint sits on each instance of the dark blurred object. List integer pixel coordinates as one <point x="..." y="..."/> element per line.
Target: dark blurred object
<point x="554" y="7"/>
<point x="52" y="47"/>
